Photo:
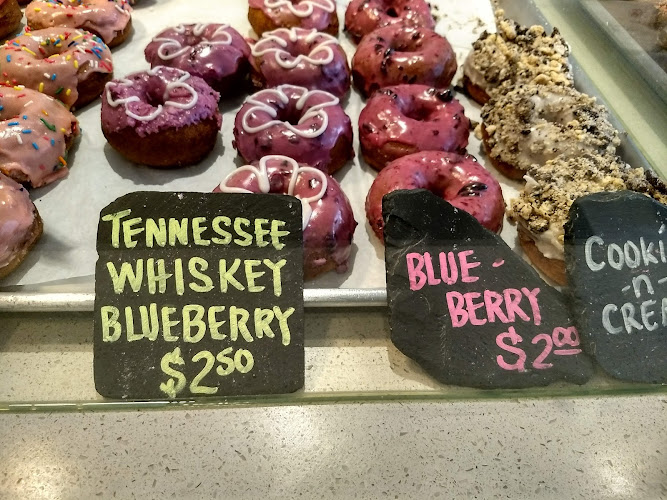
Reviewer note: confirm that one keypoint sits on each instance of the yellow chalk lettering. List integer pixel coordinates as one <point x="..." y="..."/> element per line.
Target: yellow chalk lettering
<point x="214" y="324"/>
<point x="198" y="229"/>
<point x="277" y="278"/>
<point x="134" y="276"/>
<point x="277" y="233"/>
<point x="150" y="324"/>
<point x="111" y="328"/>
<point x="282" y="322"/>
<point x="129" y="231"/>
<point x="246" y="238"/>
<point x="238" y="322"/>
<point x="190" y="322"/>
<point x="178" y="276"/>
<point x="115" y="225"/>
<point x="160" y="277"/>
<point x="129" y="324"/>
<point x="156" y="232"/>
<point x="178" y="230"/>
<point x="251" y="275"/>
<point x="227" y="275"/>
<point x="260" y="232"/>
<point x="263" y="319"/>
<point x="226" y="235"/>
<point x="198" y="274"/>
<point x="168" y="324"/>
<point x="195" y="388"/>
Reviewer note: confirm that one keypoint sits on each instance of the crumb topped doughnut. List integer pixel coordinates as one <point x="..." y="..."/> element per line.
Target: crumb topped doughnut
<point x="10" y="17"/>
<point x="364" y="16"/>
<point x="109" y="19"/>
<point x="68" y="64"/>
<point x="215" y="52"/>
<point x="544" y="203"/>
<point x="535" y="123"/>
<point x="301" y="57"/>
<point x="515" y="55"/>
<point x="268" y="15"/>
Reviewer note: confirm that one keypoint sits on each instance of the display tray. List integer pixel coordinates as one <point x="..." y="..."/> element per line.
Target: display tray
<point x="58" y="274"/>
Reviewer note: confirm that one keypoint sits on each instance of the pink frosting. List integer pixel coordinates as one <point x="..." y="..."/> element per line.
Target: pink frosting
<point x="158" y="99"/>
<point x="16" y="218"/>
<point x="317" y="14"/>
<point x="400" y="54"/>
<point x="33" y="132"/>
<point x="302" y="57"/>
<point x="292" y="121"/>
<point x="107" y="18"/>
<point x="458" y="179"/>
<point x="415" y="116"/>
<point x="364" y="16"/>
<point x="210" y="51"/>
<point x="330" y="225"/>
<point x="54" y="61"/>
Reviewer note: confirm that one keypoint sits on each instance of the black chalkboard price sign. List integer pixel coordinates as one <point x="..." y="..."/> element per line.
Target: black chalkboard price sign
<point x="466" y="307"/>
<point x="616" y="260"/>
<point x="199" y="295"/>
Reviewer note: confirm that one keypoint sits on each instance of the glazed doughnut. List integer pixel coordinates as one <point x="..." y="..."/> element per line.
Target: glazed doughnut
<point x="400" y="54"/>
<point x="364" y="16"/>
<point x="71" y="65"/>
<point x="10" y="17"/>
<point x="328" y="221"/>
<point x="307" y="125"/>
<point x="543" y="206"/>
<point x="109" y="19"/>
<point x="458" y="179"/>
<point x="300" y="57"/>
<point x="535" y="123"/>
<point x="515" y="55"/>
<point x="267" y="15"/>
<point x="405" y="119"/>
<point x="20" y="225"/>
<point x="215" y="52"/>
<point x="162" y="117"/>
<point x="36" y="133"/>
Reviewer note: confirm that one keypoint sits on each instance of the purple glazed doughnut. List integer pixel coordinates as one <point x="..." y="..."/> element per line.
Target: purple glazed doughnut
<point x="458" y="179"/>
<point x="163" y="117"/>
<point x="307" y="125"/>
<point x="364" y="16"/>
<point x="328" y="221"/>
<point x="300" y="57"/>
<point x="401" y="54"/>
<point x="401" y="120"/>
<point x="267" y="15"/>
<point x="215" y="52"/>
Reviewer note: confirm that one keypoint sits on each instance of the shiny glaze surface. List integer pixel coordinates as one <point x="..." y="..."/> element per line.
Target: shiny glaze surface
<point x="54" y="61"/>
<point x="33" y="133"/>
<point x="330" y="225"/>
<point x="416" y="116"/>
<point x="164" y="96"/>
<point x="292" y="121"/>
<point x="458" y="179"/>
<point x="302" y="57"/>
<point x="364" y="16"/>
<point x="400" y="54"/>
<point x="316" y="14"/>
<point x="16" y="218"/>
<point x="209" y="51"/>
<point x="107" y="18"/>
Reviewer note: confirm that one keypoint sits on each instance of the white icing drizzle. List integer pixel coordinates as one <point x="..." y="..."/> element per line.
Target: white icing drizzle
<point x="180" y="83"/>
<point x="278" y="93"/>
<point x="283" y="58"/>
<point x="197" y="30"/>
<point x="121" y="9"/>
<point x="264" y="183"/>
<point x="325" y="5"/>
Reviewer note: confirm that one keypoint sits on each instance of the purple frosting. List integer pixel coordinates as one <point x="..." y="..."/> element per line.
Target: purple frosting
<point x="321" y="13"/>
<point x="146" y="94"/>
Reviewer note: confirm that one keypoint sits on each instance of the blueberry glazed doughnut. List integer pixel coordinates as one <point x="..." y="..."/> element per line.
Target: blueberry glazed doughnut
<point x="268" y="15"/>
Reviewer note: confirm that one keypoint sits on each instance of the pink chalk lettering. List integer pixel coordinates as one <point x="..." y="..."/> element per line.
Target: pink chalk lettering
<point x="514" y="338"/>
<point x="457" y="310"/>
<point x="448" y="273"/>
<point x="428" y="263"/>
<point x="538" y="363"/>
<point x="466" y="266"/>
<point x="532" y="299"/>
<point x="415" y="274"/>
<point x="498" y="263"/>
<point x="567" y="352"/>
<point x="472" y="307"/>
<point x="565" y="336"/>
<point x="512" y="300"/>
<point x="493" y="302"/>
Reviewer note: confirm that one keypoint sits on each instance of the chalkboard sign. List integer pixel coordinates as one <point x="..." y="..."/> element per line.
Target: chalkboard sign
<point x="466" y="307"/>
<point x="616" y="261"/>
<point x="199" y="295"/>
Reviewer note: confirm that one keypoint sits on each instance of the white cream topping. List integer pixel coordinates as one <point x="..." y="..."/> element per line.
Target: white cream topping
<point x="316" y="111"/>
<point x="283" y="58"/>
<point x="180" y="83"/>
<point x="325" y="5"/>
<point x="264" y="183"/>
<point x="198" y="29"/>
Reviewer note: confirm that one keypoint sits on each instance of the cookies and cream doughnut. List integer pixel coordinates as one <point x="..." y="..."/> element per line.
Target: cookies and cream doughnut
<point x="535" y="123"/>
<point x="268" y="15"/>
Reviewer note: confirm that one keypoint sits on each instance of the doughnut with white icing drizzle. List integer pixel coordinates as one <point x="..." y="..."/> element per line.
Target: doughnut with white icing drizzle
<point x="267" y="15"/>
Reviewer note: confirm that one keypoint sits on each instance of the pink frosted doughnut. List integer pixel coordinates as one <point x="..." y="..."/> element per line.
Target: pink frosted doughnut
<point x="364" y="16"/>
<point x="458" y="179"/>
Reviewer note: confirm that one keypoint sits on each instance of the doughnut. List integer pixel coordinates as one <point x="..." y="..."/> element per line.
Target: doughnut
<point x="456" y="178"/>
<point x="535" y="123"/>
<point x="364" y="16"/>
<point x="69" y="64"/>
<point x="10" y="17"/>
<point x="543" y="206"/>
<point x="36" y="133"/>
<point x="300" y="57"/>
<point x="109" y="19"/>
<point x="20" y="225"/>
<point x="267" y="15"/>
<point x="515" y="55"/>
<point x="405" y="119"/>
<point x="307" y="125"/>
<point x="215" y="52"/>
<point x="401" y="54"/>
<point x="163" y="117"/>
<point x="328" y="221"/>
